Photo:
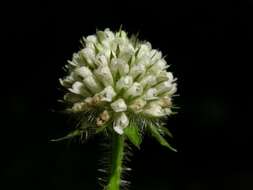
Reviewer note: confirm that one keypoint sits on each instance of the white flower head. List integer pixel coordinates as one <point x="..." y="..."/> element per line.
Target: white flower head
<point x="121" y="75"/>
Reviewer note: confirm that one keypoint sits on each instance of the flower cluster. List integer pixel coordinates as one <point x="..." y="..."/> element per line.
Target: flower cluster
<point x="118" y="75"/>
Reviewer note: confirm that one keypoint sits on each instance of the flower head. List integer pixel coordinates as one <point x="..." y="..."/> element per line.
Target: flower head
<point x="121" y="78"/>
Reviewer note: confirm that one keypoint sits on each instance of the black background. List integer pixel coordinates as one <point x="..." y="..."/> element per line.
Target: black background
<point x="209" y="47"/>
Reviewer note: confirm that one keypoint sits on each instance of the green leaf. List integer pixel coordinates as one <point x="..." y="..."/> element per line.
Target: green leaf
<point x="133" y="134"/>
<point x="155" y="133"/>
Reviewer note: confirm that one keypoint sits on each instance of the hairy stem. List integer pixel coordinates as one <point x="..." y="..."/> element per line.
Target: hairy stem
<point x="117" y="159"/>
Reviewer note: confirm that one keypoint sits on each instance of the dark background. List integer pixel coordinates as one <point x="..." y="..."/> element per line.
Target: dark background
<point x="209" y="47"/>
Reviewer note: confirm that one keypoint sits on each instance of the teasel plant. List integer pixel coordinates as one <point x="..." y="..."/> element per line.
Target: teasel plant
<point x="119" y="87"/>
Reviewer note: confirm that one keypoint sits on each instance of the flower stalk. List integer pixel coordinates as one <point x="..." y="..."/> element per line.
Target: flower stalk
<point x="116" y="162"/>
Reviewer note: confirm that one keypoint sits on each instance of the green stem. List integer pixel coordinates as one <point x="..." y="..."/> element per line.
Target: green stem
<point x="117" y="159"/>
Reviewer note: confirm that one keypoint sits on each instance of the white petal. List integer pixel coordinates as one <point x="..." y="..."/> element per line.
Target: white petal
<point x="120" y="123"/>
<point x="119" y="105"/>
<point x="78" y="88"/>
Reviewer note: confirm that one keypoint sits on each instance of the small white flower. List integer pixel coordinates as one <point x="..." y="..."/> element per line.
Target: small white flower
<point x="120" y="123"/>
<point x="107" y="94"/>
<point x="91" y="84"/>
<point x="67" y="81"/>
<point x="104" y="74"/>
<point x="155" y="55"/>
<point x="144" y="49"/>
<point x="158" y="66"/>
<point x="119" y="105"/>
<point x="137" y="70"/>
<point x="137" y="105"/>
<point x="135" y="90"/>
<point x="83" y="72"/>
<point x="164" y="75"/>
<point x="151" y="94"/>
<point x="120" y="66"/>
<point x="165" y="86"/>
<point x="154" y="110"/>
<point x="148" y="81"/>
<point x="79" y="88"/>
<point x="89" y="56"/>
<point x="101" y="60"/>
<point x="124" y="83"/>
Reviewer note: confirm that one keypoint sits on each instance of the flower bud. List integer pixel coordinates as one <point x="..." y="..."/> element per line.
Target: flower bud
<point x="120" y="123"/>
<point x="119" y="105"/>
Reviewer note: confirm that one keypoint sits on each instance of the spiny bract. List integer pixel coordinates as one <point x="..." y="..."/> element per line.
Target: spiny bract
<point x="119" y="76"/>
